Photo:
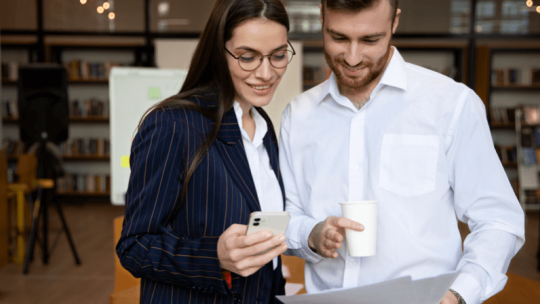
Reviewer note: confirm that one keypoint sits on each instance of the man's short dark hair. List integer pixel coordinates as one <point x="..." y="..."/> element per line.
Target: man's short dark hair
<point x="355" y="6"/>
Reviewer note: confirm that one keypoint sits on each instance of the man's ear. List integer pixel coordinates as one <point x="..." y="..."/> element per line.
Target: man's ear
<point x="396" y="21"/>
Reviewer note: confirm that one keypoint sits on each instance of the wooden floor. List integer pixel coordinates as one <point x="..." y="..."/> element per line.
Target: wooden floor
<point x="61" y="281"/>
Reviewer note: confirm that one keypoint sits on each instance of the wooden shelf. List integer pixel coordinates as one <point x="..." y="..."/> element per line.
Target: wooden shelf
<point x="89" y="119"/>
<point x="502" y="126"/>
<point x="532" y="207"/>
<point x="76" y="119"/>
<point x="88" y="81"/>
<point x="517" y="87"/>
<point x="9" y="82"/>
<point x="86" y="158"/>
<point x="89" y="194"/>
<point x="73" y="158"/>
<point x="311" y="83"/>
<point x="9" y="120"/>
<point x="509" y="164"/>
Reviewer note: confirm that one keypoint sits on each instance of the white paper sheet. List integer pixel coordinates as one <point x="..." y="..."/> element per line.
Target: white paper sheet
<point x="402" y="290"/>
<point x="293" y="288"/>
<point x="432" y="290"/>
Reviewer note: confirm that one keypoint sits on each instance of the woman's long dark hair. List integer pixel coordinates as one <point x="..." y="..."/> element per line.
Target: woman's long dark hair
<point x="209" y="70"/>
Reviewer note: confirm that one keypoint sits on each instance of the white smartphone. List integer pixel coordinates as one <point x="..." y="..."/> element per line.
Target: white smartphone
<point x="275" y="222"/>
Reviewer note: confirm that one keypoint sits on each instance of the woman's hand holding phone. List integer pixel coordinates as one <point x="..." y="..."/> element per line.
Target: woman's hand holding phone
<point x="240" y="253"/>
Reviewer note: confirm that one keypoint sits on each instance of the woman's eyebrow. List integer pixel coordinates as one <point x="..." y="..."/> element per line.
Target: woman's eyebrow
<point x="253" y="50"/>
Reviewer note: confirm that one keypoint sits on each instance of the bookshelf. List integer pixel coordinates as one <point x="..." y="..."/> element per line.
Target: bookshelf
<point x="81" y="89"/>
<point x="509" y="87"/>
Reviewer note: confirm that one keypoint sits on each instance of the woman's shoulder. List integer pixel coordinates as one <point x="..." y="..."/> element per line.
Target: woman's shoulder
<point x="186" y="111"/>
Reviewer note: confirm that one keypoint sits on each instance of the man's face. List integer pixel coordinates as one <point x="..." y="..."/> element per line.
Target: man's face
<point x="357" y="45"/>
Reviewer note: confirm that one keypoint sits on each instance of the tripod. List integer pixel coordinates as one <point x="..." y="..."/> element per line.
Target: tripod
<point x="44" y="117"/>
<point x="41" y="210"/>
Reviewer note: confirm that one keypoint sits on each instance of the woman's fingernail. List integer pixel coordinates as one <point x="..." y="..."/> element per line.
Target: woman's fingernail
<point x="284" y="246"/>
<point x="281" y="238"/>
<point x="268" y="235"/>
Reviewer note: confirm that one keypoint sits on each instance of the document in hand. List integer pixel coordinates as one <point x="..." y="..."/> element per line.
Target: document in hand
<point x="402" y="290"/>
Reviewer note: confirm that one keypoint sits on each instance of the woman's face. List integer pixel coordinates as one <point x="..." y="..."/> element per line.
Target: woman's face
<point x="250" y="38"/>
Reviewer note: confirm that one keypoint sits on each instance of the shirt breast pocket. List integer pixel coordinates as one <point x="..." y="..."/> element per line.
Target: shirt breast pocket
<point x="409" y="164"/>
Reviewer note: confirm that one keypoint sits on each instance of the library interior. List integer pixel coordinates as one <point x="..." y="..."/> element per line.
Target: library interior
<point x="65" y="166"/>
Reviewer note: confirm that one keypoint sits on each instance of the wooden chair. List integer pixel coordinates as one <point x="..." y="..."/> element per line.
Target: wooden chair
<point x="126" y="287"/>
<point x="518" y="290"/>
<point x="4" y="215"/>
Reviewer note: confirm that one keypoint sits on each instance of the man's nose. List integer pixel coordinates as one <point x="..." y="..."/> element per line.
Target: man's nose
<point x="353" y="56"/>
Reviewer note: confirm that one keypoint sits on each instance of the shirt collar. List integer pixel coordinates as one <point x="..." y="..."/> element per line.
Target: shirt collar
<point x="260" y="124"/>
<point x="395" y="75"/>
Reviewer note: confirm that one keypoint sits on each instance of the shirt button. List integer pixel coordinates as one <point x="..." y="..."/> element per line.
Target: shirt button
<point x="355" y="166"/>
<point x="352" y="262"/>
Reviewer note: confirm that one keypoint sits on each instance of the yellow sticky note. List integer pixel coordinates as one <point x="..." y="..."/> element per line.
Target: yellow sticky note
<point x="125" y="161"/>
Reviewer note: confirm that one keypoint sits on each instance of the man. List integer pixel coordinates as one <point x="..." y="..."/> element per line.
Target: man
<point x="414" y="140"/>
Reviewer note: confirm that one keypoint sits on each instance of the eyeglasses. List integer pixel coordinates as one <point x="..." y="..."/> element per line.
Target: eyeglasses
<point x="251" y="60"/>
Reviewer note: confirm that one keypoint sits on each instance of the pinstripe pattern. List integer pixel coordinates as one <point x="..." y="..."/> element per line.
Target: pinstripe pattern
<point x="173" y="248"/>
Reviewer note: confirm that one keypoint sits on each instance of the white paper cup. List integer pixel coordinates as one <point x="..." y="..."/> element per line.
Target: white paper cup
<point x="361" y="243"/>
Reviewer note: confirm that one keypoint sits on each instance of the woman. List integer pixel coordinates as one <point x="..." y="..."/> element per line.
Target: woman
<point x="206" y="158"/>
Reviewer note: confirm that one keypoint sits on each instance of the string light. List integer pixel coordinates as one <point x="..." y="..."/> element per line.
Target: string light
<point x="100" y="9"/>
<point x="106" y="5"/>
<point x="111" y="15"/>
<point x="529" y="3"/>
<point x="83" y="1"/>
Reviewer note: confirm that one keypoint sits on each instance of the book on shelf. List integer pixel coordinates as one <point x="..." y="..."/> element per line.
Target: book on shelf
<point x="86" y="147"/>
<point x="515" y="76"/>
<point x="84" y="70"/>
<point x="10" y="109"/>
<point x="10" y="70"/>
<point x="532" y="197"/>
<point x="13" y="147"/>
<point x="89" y="107"/>
<point x="529" y="156"/>
<point x="507" y="154"/>
<point x="87" y="183"/>
<point x="502" y="115"/>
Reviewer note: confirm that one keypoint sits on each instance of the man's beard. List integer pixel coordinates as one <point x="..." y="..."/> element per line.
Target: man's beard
<point x="374" y="70"/>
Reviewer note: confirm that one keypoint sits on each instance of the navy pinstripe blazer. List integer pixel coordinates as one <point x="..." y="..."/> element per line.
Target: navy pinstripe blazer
<point x="173" y="247"/>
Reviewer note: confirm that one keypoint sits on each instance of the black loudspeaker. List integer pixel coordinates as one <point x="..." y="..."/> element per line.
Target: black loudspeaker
<point x="43" y="104"/>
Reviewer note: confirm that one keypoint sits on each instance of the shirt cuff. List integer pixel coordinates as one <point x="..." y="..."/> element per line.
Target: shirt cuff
<point x="468" y="288"/>
<point x="307" y="253"/>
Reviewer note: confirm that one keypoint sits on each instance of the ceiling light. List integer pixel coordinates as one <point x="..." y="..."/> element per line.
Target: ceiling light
<point x="538" y="9"/>
<point x="163" y="8"/>
<point x="529" y="3"/>
<point x="111" y="15"/>
<point x="83" y="1"/>
<point x="106" y="5"/>
<point x="100" y="9"/>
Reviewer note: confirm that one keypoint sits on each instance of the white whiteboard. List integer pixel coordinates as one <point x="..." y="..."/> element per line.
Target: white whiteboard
<point x="131" y="92"/>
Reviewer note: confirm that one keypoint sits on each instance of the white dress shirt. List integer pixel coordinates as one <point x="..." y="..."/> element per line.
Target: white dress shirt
<point x="422" y="148"/>
<point x="266" y="183"/>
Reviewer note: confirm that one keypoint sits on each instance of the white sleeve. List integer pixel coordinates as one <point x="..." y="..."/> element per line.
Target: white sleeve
<point x="485" y="200"/>
<point x="300" y="225"/>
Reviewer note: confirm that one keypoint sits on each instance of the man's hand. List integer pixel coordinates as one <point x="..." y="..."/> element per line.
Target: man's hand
<point x="449" y="298"/>
<point x="240" y="253"/>
<point x="328" y="235"/>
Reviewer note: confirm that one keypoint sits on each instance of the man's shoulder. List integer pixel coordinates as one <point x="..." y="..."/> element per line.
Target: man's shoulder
<point x="421" y="74"/>
<point x="433" y="83"/>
